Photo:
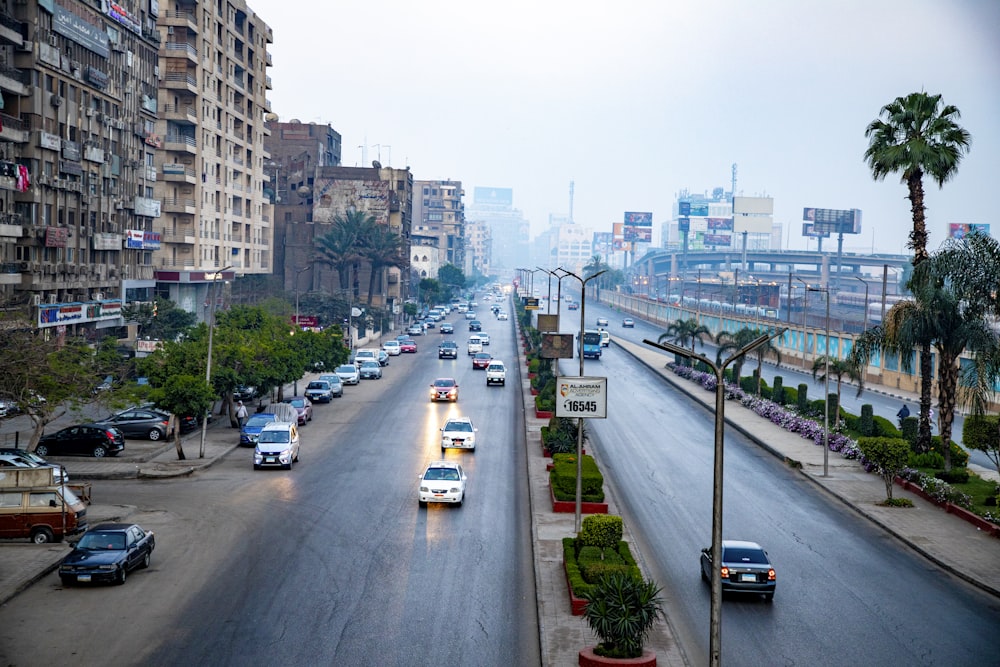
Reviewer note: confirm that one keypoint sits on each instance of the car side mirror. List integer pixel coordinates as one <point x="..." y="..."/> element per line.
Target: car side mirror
<point x="52" y="503"/>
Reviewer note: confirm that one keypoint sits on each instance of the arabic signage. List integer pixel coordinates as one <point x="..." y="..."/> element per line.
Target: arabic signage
<point x="122" y="15"/>
<point x="58" y="314"/>
<point x="55" y="237"/>
<point x="50" y="141"/>
<point x="149" y="208"/>
<point x="137" y="239"/>
<point x="834" y="221"/>
<point x="75" y="28"/>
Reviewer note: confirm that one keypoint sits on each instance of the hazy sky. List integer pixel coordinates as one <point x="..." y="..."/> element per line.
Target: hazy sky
<point x="637" y="100"/>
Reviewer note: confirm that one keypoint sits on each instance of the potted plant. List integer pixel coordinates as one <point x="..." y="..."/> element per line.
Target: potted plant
<point x="621" y="609"/>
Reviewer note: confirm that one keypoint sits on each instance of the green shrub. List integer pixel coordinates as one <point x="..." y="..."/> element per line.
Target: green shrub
<point x="563" y="478"/>
<point x="866" y="426"/>
<point x="791" y="396"/>
<point x="910" y="429"/>
<point x="981" y="432"/>
<point x="888" y="456"/>
<point x="803" y="398"/>
<point x="577" y="584"/>
<point x="579" y="559"/>
<point x="953" y="476"/>
<point x="778" y="391"/>
<point x="601" y="530"/>
<point x="835" y="412"/>
<point x="559" y="437"/>
<point x="593" y="571"/>
<point x="621" y="611"/>
<point x="533" y="365"/>
<point x="883" y="428"/>
<point x="959" y="457"/>
<point x="926" y="460"/>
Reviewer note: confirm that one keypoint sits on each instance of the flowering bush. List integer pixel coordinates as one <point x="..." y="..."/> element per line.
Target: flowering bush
<point x="940" y="491"/>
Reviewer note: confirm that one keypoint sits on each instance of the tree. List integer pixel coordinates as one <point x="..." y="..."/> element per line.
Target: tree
<point x="159" y="320"/>
<point x="685" y="332"/>
<point x="732" y="342"/>
<point x="383" y="248"/>
<point x="340" y="248"/>
<point x="913" y="136"/>
<point x="888" y="456"/>
<point x="838" y="369"/>
<point x="452" y="276"/>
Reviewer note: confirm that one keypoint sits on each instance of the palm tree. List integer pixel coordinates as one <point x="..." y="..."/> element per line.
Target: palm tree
<point x="383" y="248"/>
<point x="340" y="247"/>
<point x="934" y="317"/>
<point x="915" y="135"/>
<point x="735" y="341"/>
<point x="838" y="369"/>
<point x="684" y="332"/>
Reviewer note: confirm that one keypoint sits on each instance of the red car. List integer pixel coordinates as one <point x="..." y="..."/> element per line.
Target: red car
<point x="481" y="360"/>
<point x="407" y="345"/>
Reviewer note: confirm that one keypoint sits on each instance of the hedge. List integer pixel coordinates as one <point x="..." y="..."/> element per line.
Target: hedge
<point x="563" y="478"/>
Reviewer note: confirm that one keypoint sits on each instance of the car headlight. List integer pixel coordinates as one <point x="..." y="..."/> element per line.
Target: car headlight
<point x="107" y="567"/>
<point x="453" y="489"/>
<point x="424" y="489"/>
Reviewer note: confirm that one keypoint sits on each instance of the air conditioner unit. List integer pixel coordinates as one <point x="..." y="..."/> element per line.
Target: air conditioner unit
<point x="36" y="299"/>
<point x="170" y="30"/>
<point x="25" y="46"/>
<point x="119" y="205"/>
<point x="52" y="298"/>
<point x="98" y="296"/>
<point x="56" y="100"/>
<point x="36" y="267"/>
<point x="90" y="112"/>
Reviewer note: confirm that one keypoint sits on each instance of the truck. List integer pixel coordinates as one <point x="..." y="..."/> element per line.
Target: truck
<point x="591" y="344"/>
<point x="496" y="373"/>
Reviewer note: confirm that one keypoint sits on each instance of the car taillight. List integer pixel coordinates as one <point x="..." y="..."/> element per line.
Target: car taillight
<point x="110" y="434"/>
<point x="770" y="575"/>
<point x="724" y="572"/>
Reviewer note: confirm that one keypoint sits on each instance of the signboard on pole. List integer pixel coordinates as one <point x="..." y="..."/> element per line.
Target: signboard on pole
<point x="585" y="397"/>
<point x="531" y="303"/>
<point x="557" y="346"/>
<point x="833" y="221"/>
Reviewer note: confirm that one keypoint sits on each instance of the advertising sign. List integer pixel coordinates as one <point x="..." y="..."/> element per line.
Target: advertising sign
<point x="717" y="239"/>
<point x="638" y="234"/>
<point x="834" y="221"/>
<point x="720" y="224"/>
<point x="585" y="397"/>
<point x="684" y="225"/>
<point x="557" y="346"/>
<point x="531" y="303"/>
<point x="808" y="229"/>
<point x="639" y="219"/>
<point x="960" y="231"/>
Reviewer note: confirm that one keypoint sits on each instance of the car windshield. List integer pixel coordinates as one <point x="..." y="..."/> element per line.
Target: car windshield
<point x="444" y="383"/>
<point x="740" y="555"/>
<point x="297" y="402"/>
<point x="591" y="337"/>
<point x="449" y="474"/>
<point x="102" y="541"/>
<point x="369" y="364"/>
<point x="260" y="420"/>
<point x="346" y="369"/>
<point x="274" y="436"/>
<point x="318" y="385"/>
<point x="458" y="426"/>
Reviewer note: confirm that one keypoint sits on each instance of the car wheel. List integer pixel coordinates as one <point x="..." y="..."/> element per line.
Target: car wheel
<point x="145" y="561"/>
<point x="42" y="450"/>
<point x="768" y="597"/>
<point x="256" y="467"/>
<point x="67" y="581"/>
<point x="42" y="535"/>
<point x="122" y="576"/>
<point x="421" y="503"/>
<point x="99" y="452"/>
<point x="460" y="501"/>
<point x="287" y="466"/>
<point x="154" y="434"/>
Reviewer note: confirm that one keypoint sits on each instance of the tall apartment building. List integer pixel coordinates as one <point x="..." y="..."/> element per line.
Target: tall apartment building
<point x="296" y="150"/>
<point x="383" y="192"/>
<point x="216" y="222"/>
<point x="77" y="152"/>
<point x="438" y="210"/>
<point x="508" y="229"/>
<point x="478" y="244"/>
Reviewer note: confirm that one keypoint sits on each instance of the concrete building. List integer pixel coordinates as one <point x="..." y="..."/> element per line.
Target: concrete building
<point x="438" y="210"/>
<point x="211" y="129"/>
<point x="509" y="230"/>
<point x="478" y="245"/>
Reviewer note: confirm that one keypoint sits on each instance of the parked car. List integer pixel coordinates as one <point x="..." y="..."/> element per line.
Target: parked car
<point x="108" y="552"/>
<point x="250" y="431"/>
<point x="303" y="406"/>
<point x="602" y="321"/>
<point x="244" y="393"/>
<point x="745" y="568"/>
<point x="348" y="374"/>
<point x="319" y="391"/>
<point x="336" y="384"/>
<point x="448" y="349"/>
<point x="60" y="474"/>
<point x="408" y="345"/>
<point x="18" y="460"/>
<point x="139" y="423"/>
<point x="383" y="357"/>
<point x="444" y="389"/>
<point x="475" y="325"/>
<point x="82" y="440"/>
<point x="459" y="433"/>
<point x="391" y="347"/>
<point x="484" y="338"/>
<point x="441" y="482"/>
<point x="365" y="354"/>
<point x="481" y="360"/>
<point x="370" y="370"/>
<point x="447" y="328"/>
<point x="278" y="445"/>
<point x="628" y="323"/>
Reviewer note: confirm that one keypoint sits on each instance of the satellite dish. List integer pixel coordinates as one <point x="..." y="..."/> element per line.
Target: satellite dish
<point x="356" y="312"/>
<point x="376" y="164"/>
<point x="303" y="191"/>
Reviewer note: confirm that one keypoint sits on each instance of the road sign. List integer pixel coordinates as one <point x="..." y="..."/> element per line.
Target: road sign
<point x="582" y="397"/>
<point x="531" y="303"/>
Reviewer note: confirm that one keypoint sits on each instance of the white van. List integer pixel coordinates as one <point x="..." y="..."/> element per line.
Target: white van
<point x="278" y="445"/>
<point x="366" y="354"/>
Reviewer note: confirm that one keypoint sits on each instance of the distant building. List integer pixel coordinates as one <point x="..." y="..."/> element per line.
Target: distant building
<point x="509" y="230"/>
<point x="438" y="210"/>
<point x="478" y="247"/>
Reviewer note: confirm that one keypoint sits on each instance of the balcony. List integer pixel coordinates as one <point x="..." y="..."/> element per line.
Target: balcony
<point x="179" y="18"/>
<point x="180" y="114"/>
<point x="181" y="49"/>
<point x="179" y="205"/>
<point x="185" y="236"/>
<point x="181" y="81"/>
<point x="178" y="173"/>
<point x="181" y="143"/>
<point x="14" y="130"/>
<point x="15" y="80"/>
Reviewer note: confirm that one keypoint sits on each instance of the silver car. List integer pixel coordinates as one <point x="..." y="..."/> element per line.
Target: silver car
<point x="348" y="374"/>
<point x="370" y="370"/>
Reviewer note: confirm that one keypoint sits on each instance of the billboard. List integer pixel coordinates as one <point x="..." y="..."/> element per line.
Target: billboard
<point x="961" y="230"/>
<point x="493" y="196"/>
<point x="719" y="224"/>
<point x="753" y="205"/>
<point x="638" y="219"/>
<point x="638" y="227"/>
<point x="557" y="346"/>
<point x="717" y="239"/>
<point x="808" y="229"/>
<point x="834" y="221"/>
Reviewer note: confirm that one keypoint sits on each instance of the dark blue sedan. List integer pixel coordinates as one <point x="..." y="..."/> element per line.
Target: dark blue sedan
<point x="107" y="552"/>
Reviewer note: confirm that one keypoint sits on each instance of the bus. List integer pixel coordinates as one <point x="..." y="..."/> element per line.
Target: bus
<point x="591" y="344"/>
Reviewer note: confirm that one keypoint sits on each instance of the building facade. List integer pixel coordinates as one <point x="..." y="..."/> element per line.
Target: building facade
<point x="438" y="210"/>
<point x="509" y="230"/>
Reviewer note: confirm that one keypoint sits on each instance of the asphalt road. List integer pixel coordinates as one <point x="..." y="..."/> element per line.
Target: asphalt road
<point x="330" y="563"/>
<point x="847" y="593"/>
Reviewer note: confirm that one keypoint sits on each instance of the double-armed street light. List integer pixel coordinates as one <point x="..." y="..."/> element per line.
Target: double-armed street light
<point x="826" y="382"/>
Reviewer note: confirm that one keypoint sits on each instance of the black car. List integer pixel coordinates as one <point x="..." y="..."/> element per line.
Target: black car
<point x="745" y="568"/>
<point x="107" y="552"/>
<point x="82" y="440"/>
<point x="475" y="325"/>
<point x="447" y="328"/>
<point x="139" y="423"/>
<point x="448" y="349"/>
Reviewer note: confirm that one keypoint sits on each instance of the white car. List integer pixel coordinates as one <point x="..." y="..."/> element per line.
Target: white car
<point x="459" y="433"/>
<point x="348" y="374"/>
<point x="502" y="315"/>
<point x="475" y="345"/>
<point x="392" y="348"/>
<point x="484" y="338"/>
<point x="441" y="482"/>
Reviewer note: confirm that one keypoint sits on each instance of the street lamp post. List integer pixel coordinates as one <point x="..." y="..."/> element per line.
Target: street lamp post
<point x="579" y="424"/>
<point x="826" y="384"/>
<point x="548" y="305"/>
<point x="295" y="383"/>
<point x="715" y="613"/>
<point x="805" y="311"/>
<point x="208" y="363"/>
<point x="864" y="325"/>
